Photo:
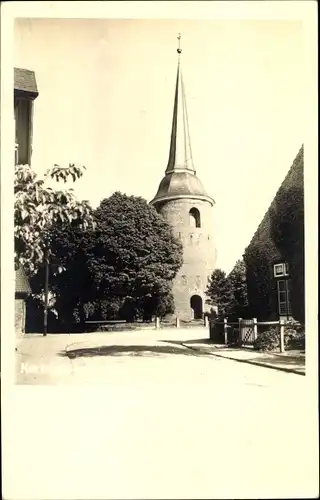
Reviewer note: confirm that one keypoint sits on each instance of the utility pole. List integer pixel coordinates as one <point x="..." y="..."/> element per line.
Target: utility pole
<point x="46" y="292"/>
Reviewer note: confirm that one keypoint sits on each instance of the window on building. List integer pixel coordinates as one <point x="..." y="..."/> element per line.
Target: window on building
<point x="194" y="217"/>
<point x="281" y="269"/>
<point x="22" y="116"/>
<point x="284" y="303"/>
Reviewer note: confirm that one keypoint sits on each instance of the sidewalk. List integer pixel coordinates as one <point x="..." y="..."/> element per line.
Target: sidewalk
<point x="289" y="361"/>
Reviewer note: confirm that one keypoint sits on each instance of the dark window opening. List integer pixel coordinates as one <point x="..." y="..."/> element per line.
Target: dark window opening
<point x="194" y="217"/>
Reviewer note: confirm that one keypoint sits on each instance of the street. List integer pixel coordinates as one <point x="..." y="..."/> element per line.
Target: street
<point x="154" y="419"/>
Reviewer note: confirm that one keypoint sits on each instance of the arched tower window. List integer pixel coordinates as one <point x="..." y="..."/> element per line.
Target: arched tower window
<point x="194" y="217"/>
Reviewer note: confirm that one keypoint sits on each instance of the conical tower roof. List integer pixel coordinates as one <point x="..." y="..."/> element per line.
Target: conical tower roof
<point x="180" y="179"/>
<point x="180" y="156"/>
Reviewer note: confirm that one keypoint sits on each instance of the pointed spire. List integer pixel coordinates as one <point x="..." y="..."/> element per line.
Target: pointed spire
<point x="180" y="156"/>
<point x="180" y="180"/>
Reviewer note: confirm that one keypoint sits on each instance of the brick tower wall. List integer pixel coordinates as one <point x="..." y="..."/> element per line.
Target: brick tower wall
<point x="199" y="253"/>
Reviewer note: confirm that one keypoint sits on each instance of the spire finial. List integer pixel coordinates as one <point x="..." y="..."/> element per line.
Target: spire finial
<point x="179" y="50"/>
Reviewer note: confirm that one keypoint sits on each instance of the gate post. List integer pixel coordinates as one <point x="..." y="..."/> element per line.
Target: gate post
<point x="225" y="330"/>
<point x="281" y="322"/>
<point x="255" y="328"/>
<point x="177" y="322"/>
<point x="240" y="333"/>
<point x="206" y="321"/>
<point x="157" y="323"/>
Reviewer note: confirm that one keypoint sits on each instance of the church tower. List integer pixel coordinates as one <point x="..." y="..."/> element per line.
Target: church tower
<point x="184" y="203"/>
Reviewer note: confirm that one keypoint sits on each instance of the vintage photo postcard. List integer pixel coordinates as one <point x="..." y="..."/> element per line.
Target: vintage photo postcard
<point x="158" y="250"/>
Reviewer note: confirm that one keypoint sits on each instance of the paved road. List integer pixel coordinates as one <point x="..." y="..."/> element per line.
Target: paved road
<point x="170" y="423"/>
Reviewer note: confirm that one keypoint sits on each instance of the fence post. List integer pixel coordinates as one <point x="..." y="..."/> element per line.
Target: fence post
<point x="206" y="321"/>
<point x="157" y="322"/>
<point x="240" y="333"/>
<point x="177" y="322"/>
<point x="281" y="335"/>
<point x="255" y="328"/>
<point x="225" y="330"/>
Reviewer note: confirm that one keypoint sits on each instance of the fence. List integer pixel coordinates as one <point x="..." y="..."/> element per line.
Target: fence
<point x="242" y="332"/>
<point x="157" y="323"/>
<point x="177" y="323"/>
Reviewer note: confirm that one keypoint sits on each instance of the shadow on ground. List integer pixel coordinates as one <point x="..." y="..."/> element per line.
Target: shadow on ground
<point x="192" y="341"/>
<point x="131" y="350"/>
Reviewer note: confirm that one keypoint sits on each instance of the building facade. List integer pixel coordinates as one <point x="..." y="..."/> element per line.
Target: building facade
<point x="184" y="203"/>
<point x="275" y="256"/>
<point x="25" y="92"/>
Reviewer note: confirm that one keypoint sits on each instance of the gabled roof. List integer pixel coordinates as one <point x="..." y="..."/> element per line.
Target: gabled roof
<point x="25" y="82"/>
<point x="22" y="283"/>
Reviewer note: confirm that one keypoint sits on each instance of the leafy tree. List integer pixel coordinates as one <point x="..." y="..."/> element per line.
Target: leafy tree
<point x="220" y="292"/>
<point x="124" y="268"/>
<point x="238" y="281"/>
<point x="70" y="282"/>
<point x="37" y="207"/>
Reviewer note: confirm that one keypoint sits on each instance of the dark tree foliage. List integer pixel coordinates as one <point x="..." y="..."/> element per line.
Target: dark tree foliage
<point x="238" y="280"/>
<point x="123" y="269"/>
<point x="258" y="258"/>
<point x="220" y="293"/>
<point x="287" y="232"/>
<point x="136" y="256"/>
<point x="70" y="282"/>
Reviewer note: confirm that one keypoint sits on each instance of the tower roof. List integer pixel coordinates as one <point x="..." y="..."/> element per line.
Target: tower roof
<point x="180" y="155"/>
<point x="180" y="176"/>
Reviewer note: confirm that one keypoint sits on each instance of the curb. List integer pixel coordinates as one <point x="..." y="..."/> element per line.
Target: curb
<point x="250" y="362"/>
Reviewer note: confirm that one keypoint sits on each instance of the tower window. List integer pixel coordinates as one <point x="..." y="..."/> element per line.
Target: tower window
<point x="194" y="217"/>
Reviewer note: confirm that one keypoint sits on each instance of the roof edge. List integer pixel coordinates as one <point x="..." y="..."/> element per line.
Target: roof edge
<point x="207" y="198"/>
<point x="178" y="170"/>
<point x="26" y="94"/>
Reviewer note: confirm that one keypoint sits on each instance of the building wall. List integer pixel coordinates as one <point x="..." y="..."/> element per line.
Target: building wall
<point x="23" y="125"/>
<point x="20" y="316"/>
<point x="199" y="254"/>
<point x="262" y="253"/>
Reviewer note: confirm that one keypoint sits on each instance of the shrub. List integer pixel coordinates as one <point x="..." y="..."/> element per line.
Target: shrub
<point x="233" y="336"/>
<point x="292" y="327"/>
<point x="296" y="341"/>
<point x="268" y="340"/>
<point x="115" y="328"/>
<point x="294" y="335"/>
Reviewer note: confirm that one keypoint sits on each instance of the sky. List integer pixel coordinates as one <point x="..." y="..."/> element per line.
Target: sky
<point x="106" y="90"/>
